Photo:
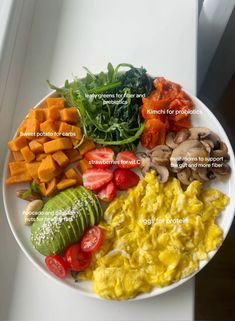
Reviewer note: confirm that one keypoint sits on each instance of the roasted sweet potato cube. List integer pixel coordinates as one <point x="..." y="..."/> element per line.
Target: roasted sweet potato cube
<point x="55" y="102"/>
<point x="65" y="129"/>
<point x="37" y="113"/>
<point x="86" y="146"/>
<point x="42" y="139"/>
<point x="42" y="188"/>
<point x="20" y="178"/>
<point x="28" y="155"/>
<point x="77" y="132"/>
<point x="73" y="173"/>
<point x="49" y="128"/>
<point x="51" y="187"/>
<point x="69" y="115"/>
<point x="16" y="168"/>
<point x="21" y="129"/>
<point x="40" y="156"/>
<point x="83" y="165"/>
<point x="33" y="127"/>
<point x="17" y="156"/>
<point x="17" y="143"/>
<point x="65" y="183"/>
<point x="73" y="155"/>
<point x="46" y="169"/>
<point x="57" y="144"/>
<point x="33" y="169"/>
<point x="53" y="113"/>
<point x="61" y="159"/>
<point x="36" y="147"/>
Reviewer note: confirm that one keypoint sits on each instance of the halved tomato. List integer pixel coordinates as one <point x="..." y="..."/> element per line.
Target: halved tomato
<point x="56" y="265"/>
<point x="92" y="240"/>
<point x="76" y="258"/>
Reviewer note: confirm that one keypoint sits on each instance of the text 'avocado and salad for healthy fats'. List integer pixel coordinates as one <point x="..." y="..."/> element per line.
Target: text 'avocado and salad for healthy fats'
<point x="116" y="173"/>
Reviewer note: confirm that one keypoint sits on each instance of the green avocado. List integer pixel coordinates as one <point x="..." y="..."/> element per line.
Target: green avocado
<point x="63" y="220"/>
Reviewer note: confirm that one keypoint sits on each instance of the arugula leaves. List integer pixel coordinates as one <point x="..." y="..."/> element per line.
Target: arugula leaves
<point x="108" y="104"/>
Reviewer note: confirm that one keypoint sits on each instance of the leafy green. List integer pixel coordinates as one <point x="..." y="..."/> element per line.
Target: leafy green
<point x="32" y="188"/>
<point x="108" y="103"/>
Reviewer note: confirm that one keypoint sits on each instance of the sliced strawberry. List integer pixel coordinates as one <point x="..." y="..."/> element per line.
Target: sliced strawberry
<point x="100" y="157"/>
<point x="127" y="159"/>
<point x="125" y="178"/>
<point x="108" y="192"/>
<point x="95" y="178"/>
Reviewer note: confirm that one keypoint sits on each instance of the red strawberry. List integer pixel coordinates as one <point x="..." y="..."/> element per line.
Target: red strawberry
<point x="125" y="178"/>
<point x="108" y="192"/>
<point x="95" y="178"/>
<point x="127" y="159"/>
<point x="100" y="157"/>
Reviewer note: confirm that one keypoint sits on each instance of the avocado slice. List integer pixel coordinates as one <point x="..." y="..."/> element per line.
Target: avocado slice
<point x="96" y="210"/>
<point x="52" y="234"/>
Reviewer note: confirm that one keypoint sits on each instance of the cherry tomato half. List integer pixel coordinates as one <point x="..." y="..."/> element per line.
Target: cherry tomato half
<point x="56" y="265"/>
<point x="76" y="258"/>
<point x="92" y="240"/>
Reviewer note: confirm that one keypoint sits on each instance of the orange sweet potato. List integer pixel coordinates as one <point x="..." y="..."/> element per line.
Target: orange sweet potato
<point x="49" y="128"/>
<point x="87" y="145"/>
<point x="20" y="178"/>
<point x="36" y="147"/>
<point x="42" y="139"/>
<point x="16" y="168"/>
<point x="22" y="127"/>
<point x="73" y="173"/>
<point x="57" y="144"/>
<point x="33" y="169"/>
<point x="33" y="127"/>
<point x="66" y="182"/>
<point x="17" y="156"/>
<point x="83" y="165"/>
<point x="16" y="144"/>
<point x="61" y="159"/>
<point x="55" y="102"/>
<point x="69" y="115"/>
<point x="40" y="156"/>
<point x="73" y="155"/>
<point x="51" y="187"/>
<point x="28" y="155"/>
<point x="37" y="113"/>
<point x="46" y="169"/>
<point x="65" y="129"/>
<point x="77" y="132"/>
<point x="53" y="113"/>
<point x="42" y="188"/>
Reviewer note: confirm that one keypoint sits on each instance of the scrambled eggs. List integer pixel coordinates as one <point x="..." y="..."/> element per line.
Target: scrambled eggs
<point x="155" y="235"/>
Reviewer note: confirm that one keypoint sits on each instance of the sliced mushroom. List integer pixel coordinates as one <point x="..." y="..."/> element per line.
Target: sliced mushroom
<point x="184" y="176"/>
<point x="221" y="152"/>
<point x="162" y="173"/>
<point x="170" y="140"/>
<point x="223" y="170"/>
<point x="199" y="133"/>
<point x="196" y="176"/>
<point x="215" y="139"/>
<point x="208" y="144"/>
<point x="145" y="162"/>
<point x="203" y="173"/>
<point x="189" y="152"/>
<point x="181" y="136"/>
<point x="160" y="155"/>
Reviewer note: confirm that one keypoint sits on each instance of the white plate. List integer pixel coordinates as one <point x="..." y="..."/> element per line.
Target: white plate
<point x="14" y="208"/>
